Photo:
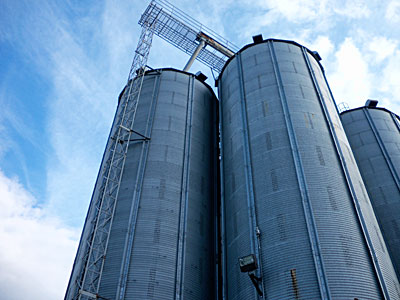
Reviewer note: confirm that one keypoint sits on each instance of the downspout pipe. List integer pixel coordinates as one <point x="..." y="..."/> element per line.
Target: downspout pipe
<point x="194" y="55"/>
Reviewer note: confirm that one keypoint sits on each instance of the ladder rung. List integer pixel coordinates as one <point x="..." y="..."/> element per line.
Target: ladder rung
<point x="127" y="129"/>
<point x="88" y="294"/>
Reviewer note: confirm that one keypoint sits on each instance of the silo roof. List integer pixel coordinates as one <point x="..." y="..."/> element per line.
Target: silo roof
<point x="167" y="69"/>
<point x="313" y="53"/>
<point x="378" y="108"/>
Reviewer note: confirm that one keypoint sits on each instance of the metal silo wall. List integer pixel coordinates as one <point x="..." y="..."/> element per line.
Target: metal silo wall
<point x="288" y="171"/>
<point x="374" y="136"/>
<point x="167" y="195"/>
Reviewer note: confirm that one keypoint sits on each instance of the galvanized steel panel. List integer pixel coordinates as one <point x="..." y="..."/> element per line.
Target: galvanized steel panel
<point x="275" y="102"/>
<point x="374" y="137"/>
<point x="167" y="194"/>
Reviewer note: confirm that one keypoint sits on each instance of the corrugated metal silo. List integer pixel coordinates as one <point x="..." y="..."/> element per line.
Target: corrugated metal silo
<point x="292" y="193"/>
<point x="167" y="196"/>
<point x="374" y="136"/>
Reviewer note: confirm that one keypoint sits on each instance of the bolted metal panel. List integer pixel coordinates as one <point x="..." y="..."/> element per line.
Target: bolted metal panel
<point x="374" y="136"/>
<point x="162" y="236"/>
<point x="288" y="173"/>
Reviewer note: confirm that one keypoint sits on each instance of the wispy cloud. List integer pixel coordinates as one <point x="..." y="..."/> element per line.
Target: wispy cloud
<point x="86" y="70"/>
<point x="355" y="9"/>
<point x="16" y="129"/>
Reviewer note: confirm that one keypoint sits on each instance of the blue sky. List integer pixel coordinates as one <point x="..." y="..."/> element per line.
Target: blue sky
<point x="62" y="66"/>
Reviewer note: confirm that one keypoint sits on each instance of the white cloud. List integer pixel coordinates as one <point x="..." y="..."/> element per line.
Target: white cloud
<point x="382" y="47"/>
<point x="380" y="54"/>
<point x="323" y="45"/>
<point x="299" y="10"/>
<point x="212" y="14"/>
<point x="393" y="11"/>
<point x="354" y="9"/>
<point x="37" y="252"/>
<point x="314" y="10"/>
<point x="274" y="16"/>
<point x="350" y="80"/>
<point x="389" y="83"/>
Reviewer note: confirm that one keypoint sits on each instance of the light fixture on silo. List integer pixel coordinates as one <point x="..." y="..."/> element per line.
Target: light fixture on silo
<point x="249" y="264"/>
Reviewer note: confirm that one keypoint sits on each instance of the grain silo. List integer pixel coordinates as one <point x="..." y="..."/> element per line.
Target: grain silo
<point x="374" y="136"/>
<point x="161" y="241"/>
<point x="293" y="197"/>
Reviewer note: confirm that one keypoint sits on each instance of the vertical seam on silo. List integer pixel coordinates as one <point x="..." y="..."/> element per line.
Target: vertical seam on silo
<point x="192" y="79"/>
<point x="223" y="227"/>
<point x="346" y="174"/>
<point x="215" y="151"/>
<point x="382" y="147"/>
<point x="395" y="120"/>
<point x="180" y="263"/>
<point x="121" y="289"/>
<point x="255" y="243"/>
<point x="312" y="230"/>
